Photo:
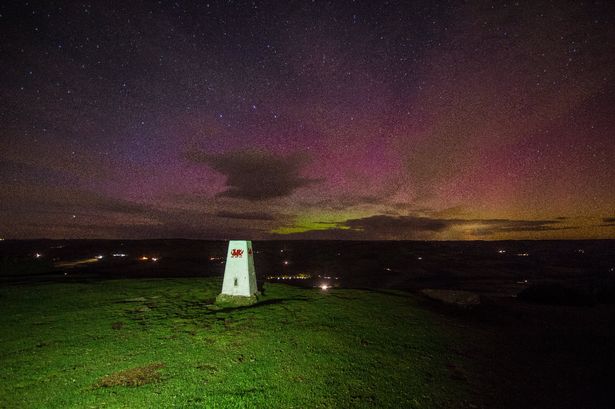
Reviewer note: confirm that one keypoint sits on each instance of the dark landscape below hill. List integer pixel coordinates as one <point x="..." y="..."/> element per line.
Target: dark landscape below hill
<point x="488" y="267"/>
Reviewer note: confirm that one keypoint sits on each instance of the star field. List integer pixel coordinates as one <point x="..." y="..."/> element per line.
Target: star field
<point x="351" y="120"/>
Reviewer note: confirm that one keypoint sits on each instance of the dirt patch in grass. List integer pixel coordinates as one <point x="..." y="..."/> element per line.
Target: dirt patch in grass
<point x="139" y="376"/>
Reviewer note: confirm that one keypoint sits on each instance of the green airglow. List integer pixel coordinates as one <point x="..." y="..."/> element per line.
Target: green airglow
<point x="311" y="222"/>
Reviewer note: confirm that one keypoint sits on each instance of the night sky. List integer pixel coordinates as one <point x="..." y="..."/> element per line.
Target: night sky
<point x="312" y="119"/>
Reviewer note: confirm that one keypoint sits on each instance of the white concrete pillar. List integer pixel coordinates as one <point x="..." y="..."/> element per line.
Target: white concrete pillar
<point x="239" y="275"/>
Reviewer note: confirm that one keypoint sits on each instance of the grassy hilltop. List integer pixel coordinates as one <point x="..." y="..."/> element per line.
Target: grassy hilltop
<point x="160" y="343"/>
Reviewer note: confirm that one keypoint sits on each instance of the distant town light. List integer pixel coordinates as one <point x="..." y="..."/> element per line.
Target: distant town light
<point x="419" y="258"/>
<point x="99" y="257"/>
<point x="501" y="251"/>
<point x="144" y="258"/>
<point x="324" y="287"/>
<point x="285" y="262"/>
<point x="38" y="255"/>
<point x="299" y="276"/>
<point x="119" y="255"/>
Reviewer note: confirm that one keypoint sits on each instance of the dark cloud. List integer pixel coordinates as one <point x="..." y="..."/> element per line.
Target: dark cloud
<point x="62" y="200"/>
<point x="26" y="173"/>
<point x="39" y="211"/>
<point x="325" y="234"/>
<point x="397" y="225"/>
<point x="607" y="222"/>
<point x="344" y="201"/>
<point x="246" y="215"/>
<point x="419" y="228"/>
<point x="494" y="226"/>
<point x="394" y="225"/>
<point x="253" y="175"/>
<point x="171" y="229"/>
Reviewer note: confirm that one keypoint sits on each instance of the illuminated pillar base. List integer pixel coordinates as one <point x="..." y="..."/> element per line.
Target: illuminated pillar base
<point x="225" y="300"/>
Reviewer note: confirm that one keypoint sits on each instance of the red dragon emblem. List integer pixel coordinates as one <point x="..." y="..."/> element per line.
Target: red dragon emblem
<point x="236" y="253"/>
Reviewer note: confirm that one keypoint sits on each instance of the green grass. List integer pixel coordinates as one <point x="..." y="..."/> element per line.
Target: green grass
<point x="161" y="343"/>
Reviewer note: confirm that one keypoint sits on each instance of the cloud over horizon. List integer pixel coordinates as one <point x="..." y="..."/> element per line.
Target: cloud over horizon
<point x="256" y="175"/>
<point x="246" y="215"/>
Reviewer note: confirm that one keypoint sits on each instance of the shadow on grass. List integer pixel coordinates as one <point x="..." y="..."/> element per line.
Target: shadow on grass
<point x="258" y="305"/>
<point x="196" y="310"/>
